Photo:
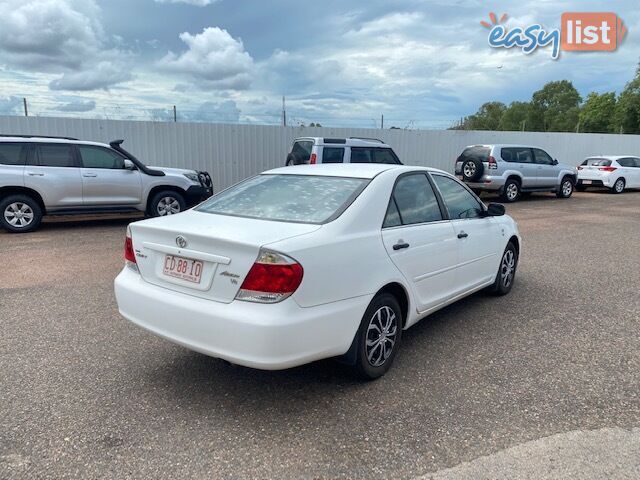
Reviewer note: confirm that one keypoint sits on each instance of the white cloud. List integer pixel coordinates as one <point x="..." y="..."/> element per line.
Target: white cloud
<point x="61" y="37"/>
<point x="197" y="3"/>
<point x="213" y="58"/>
<point x="76" y="106"/>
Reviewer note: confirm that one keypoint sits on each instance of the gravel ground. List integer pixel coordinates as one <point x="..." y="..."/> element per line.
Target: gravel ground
<point x="542" y="374"/>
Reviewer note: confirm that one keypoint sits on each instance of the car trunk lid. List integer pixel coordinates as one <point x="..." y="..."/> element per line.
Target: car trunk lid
<point x="225" y="246"/>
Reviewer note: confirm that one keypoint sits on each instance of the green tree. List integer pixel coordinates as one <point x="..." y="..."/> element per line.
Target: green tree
<point x="556" y="107"/>
<point x="627" y="117"/>
<point x="486" y="118"/>
<point x="597" y="115"/>
<point x="516" y="117"/>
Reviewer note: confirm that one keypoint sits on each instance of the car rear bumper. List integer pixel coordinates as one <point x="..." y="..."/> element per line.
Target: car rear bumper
<point x="591" y="183"/>
<point x="264" y="336"/>
<point x="487" y="182"/>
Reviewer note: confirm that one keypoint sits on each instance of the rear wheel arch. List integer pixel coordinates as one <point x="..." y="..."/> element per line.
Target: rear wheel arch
<point x="6" y="191"/>
<point x="400" y="293"/>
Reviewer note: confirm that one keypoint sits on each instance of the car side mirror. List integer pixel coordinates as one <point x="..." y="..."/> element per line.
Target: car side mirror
<point x="495" y="210"/>
<point x="129" y="165"/>
<point x="555" y="161"/>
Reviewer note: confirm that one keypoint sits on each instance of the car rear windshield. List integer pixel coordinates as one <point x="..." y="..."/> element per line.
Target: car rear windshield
<point x="287" y="198"/>
<point x="475" y="153"/>
<point x="597" y="162"/>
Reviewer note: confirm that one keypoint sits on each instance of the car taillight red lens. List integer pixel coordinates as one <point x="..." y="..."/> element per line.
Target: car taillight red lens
<point x="607" y="169"/>
<point x="129" y="254"/>
<point x="313" y="159"/>
<point x="272" y="278"/>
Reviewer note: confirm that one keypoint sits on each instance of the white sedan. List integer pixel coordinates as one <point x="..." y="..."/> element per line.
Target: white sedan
<point x="309" y="262"/>
<point x="613" y="172"/>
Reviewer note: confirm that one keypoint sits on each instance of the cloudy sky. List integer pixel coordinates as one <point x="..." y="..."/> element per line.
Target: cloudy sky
<point x="421" y="63"/>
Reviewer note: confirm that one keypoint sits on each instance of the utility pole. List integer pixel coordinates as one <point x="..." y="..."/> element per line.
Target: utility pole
<point x="175" y="114"/>
<point x="26" y="112"/>
<point x="284" y="113"/>
<point x="382" y="122"/>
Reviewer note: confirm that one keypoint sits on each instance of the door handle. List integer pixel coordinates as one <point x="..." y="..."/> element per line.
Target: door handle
<point x="89" y="174"/>
<point x="400" y="246"/>
<point x="32" y="174"/>
<point x="463" y="235"/>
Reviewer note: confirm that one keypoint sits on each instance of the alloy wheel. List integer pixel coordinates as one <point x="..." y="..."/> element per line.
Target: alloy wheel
<point x="381" y="336"/>
<point x="512" y="191"/>
<point x="469" y="169"/>
<point x="619" y="186"/>
<point x="507" y="268"/>
<point x="18" y="214"/>
<point x="168" y="206"/>
<point x="567" y="187"/>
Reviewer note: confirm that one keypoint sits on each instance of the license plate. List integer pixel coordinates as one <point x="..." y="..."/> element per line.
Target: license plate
<point x="587" y="182"/>
<point x="183" y="268"/>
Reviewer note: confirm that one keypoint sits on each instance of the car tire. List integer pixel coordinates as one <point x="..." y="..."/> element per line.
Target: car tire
<point x="566" y="188"/>
<point x="20" y="213"/>
<point x="472" y="170"/>
<point x="511" y="191"/>
<point x="581" y="188"/>
<point x="618" y="187"/>
<point x="506" y="271"/>
<point x="378" y="337"/>
<point x="166" y="202"/>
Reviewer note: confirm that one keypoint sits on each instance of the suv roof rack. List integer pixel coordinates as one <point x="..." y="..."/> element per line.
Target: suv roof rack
<point x="6" y="135"/>
<point x="367" y="138"/>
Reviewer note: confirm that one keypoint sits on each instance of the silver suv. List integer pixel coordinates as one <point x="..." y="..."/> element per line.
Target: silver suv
<point x="54" y="175"/>
<point x="514" y="170"/>
<point x="312" y="150"/>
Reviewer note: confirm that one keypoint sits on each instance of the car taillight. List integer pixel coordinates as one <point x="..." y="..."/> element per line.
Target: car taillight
<point x="272" y="278"/>
<point x="607" y="169"/>
<point x="129" y="254"/>
<point x="313" y="159"/>
<point x="579" y="168"/>
<point x="492" y="162"/>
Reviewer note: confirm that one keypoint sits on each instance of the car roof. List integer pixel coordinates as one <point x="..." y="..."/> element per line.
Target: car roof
<point x="345" y="141"/>
<point x="349" y="170"/>
<point x="611" y="157"/>
<point x="26" y="139"/>
<point x="504" y="145"/>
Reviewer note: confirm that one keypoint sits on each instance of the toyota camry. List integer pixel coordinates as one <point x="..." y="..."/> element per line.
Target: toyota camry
<point x="309" y="262"/>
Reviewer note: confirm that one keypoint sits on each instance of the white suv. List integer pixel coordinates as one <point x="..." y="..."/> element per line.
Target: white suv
<point x="313" y="150"/>
<point x="54" y="175"/>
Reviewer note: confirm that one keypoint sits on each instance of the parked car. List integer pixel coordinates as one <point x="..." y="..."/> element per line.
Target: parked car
<point x="613" y="172"/>
<point x="303" y="263"/>
<point x="53" y="175"/>
<point x="313" y="150"/>
<point x="513" y="170"/>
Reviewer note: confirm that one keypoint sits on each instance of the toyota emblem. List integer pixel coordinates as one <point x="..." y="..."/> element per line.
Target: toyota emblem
<point x="181" y="241"/>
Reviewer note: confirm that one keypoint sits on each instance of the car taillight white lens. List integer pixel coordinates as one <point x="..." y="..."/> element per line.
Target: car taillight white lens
<point x="492" y="163"/>
<point x="129" y="254"/>
<point x="313" y="159"/>
<point x="272" y="278"/>
<point x="607" y="169"/>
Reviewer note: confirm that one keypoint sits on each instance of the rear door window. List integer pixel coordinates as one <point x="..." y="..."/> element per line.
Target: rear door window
<point x="12" y="154"/>
<point x="542" y="157"/>
<point x="55" y="155"/>
<point x="627" y="162"/>
<point x="332" y="155"/>
<point x="413" y="201"/>
<point x="517" y="155"/>
<point x="361" y="155"/>
<point x="302" y="151"/>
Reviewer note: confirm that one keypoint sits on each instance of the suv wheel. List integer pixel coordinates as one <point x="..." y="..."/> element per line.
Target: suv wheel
<point x="618" y="187"/>
<point x="378" y="337"/>
<point x="506" y="272"/>
<point x="511" y="191"/>
<point x="20" y="213"/>
<point x="566" y="188"/>
<point x="166" y="203"/>
<point x="472" y="170"/>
